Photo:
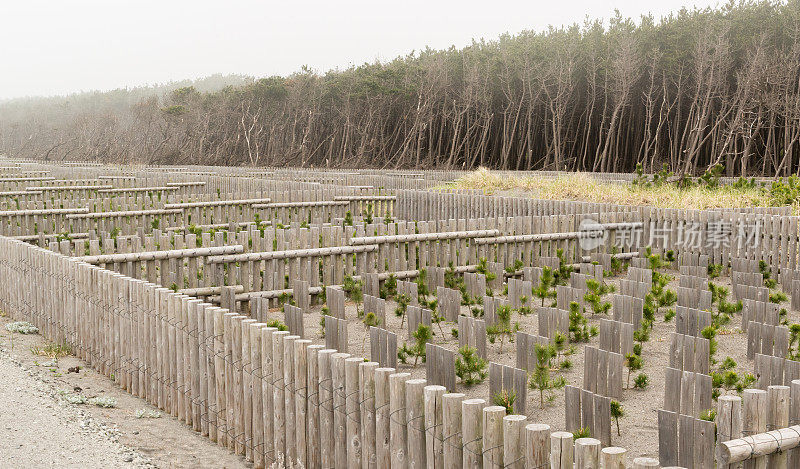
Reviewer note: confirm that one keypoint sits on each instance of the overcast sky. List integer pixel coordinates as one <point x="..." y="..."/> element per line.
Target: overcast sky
<point x="62" y="46"/>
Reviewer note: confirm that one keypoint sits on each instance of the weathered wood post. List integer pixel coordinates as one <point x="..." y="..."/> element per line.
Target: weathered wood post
<point x="433" y="412"/>
<point x="777" y="417"/>
<point x="613" y="457"/>
<point x="537" y="445"/>
<point x="415" y="408"/>
<point x="472" y="432"/>
<point x="514" y="441"/>
<point x="339" y="409"/>
<point x="366" y="378"/>
<point x="587" y="453"/>
<point x="382" y="417"/>
<point x="561" y="450"/>
<point x="451" y="429"/>
<point x="755" y="421"/>
<point x="397" y="413"/>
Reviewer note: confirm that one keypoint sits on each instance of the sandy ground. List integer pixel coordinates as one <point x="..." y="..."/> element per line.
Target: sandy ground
<point x="38" y="428"/>
<point x="638" y="428"/>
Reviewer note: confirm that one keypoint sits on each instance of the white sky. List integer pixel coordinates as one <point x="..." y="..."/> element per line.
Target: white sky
<point x="62" y="46"/>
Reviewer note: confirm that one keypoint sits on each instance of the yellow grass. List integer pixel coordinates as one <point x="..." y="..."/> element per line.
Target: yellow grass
<point x="583" y="187"/>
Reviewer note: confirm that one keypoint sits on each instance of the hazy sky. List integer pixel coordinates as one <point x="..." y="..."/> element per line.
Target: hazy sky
<point x="61" y="46"/>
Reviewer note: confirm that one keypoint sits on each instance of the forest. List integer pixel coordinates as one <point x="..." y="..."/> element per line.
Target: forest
<point x="690" y="90"/>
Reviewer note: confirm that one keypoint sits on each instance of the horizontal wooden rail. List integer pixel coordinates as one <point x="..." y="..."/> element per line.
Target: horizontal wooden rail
<point x="761" y="444"/>
<point x="137" y="189"/>
<point x="66" y="188"/>
<point x="187" y="184"/>
<point x="409" y="238"/>
<point x="159" y="255"/>
<point x="218" y="203"/>
<point x="18" y="193"/>
<point x="353" y="198"/>
<point x="45" y="211"/>
<point x="125" y="213"/>
<point x="591" y="233"/>
<point x="312" y="203"/>
<point x="290" y="254"/>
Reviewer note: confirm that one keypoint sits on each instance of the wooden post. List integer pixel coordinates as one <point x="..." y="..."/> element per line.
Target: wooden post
<point x="326" y="419"/>
<point x="561" y="450"/>
<point x="537" y="445"/>
<point x="312" y="391"/>
<point x="382" y="417"/>
<point x="729" y="418"/>
<point x="755" y="421"/>
<point x="613" y="457"/>
<point x="353" y="412"/>
<point x="514" y="441"/>
<point x="493" y="436"/>
<point x="587" y="453"/>
<point x="472" y="432"/>
<point x="778" y="417"/>
<point x="433" y="412"/>
<point x="279" y="411"/>
<point x="339" y="409"/>
<point x="366" y="378"/>
<point x="397" y="412"/>
<point x="289" y="398"/>
<point x="644" y="463"/>
<point x="794" y="418"/>
<point x="451" y="429"/>
<point x="415" y="405"/>
<point x="301" y="399"/>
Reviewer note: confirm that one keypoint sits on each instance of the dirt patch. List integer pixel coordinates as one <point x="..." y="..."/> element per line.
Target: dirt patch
<point x="38" y="426"/>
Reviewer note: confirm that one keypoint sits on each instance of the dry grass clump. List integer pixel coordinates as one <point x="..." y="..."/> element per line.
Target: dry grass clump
<point x="583" y="187"/>
<point x="53" y="351"/>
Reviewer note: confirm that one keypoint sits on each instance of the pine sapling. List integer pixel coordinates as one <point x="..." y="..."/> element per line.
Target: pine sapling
<point x="503" y="326"/>
<point x="617" y="412"/>
<point x="470" y="368"/>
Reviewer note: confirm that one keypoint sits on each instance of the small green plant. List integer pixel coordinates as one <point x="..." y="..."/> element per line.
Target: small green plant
<point x="276" y="323"/>
<point x="594" y="295"/>
<point x="617" y="412"/>
<point x="354" y="290"/>
<point x="578" y="325"/>
<point x="389" y="288"/>
<point x="402" y="305"/>
<point x="368" y="214"/>
<point x="633" y="363"/>
<point x="545" y="289"/>
<point x="714" y="270"/>
<point x="540" y="377"/>
<point x="348" y="219"/>
<point x="421" y="336"/>
<point x="641" y="381"/>
<point x="565" y="268"/>
<point x="505" y="398"/>
<point x="582" y="432"/>
<point x="470" y="368"/>
<point x="503" y="327"/>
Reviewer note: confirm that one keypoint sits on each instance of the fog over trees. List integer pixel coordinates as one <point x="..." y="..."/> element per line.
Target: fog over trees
<point x="690" y="90"/>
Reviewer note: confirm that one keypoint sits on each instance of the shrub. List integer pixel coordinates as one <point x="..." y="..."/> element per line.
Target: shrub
<point x="470" y="368"/>
<point x="641" y="381"/>
<point x="22" y="327"/>
<point x="505" y="398"/>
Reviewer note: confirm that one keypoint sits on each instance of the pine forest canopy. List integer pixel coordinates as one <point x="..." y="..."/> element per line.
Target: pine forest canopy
<point x="691" y="90"/>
